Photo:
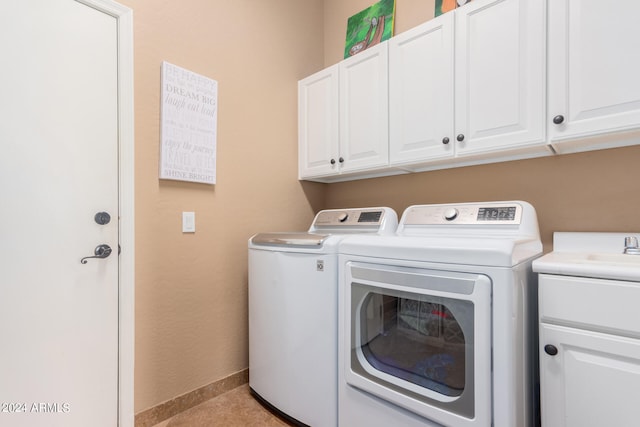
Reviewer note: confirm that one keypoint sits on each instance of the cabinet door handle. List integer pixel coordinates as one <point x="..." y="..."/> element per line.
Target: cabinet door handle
<point x="445" y="140"/>
<point x="341" y="160"/>
<point x="551" y="350"/>
<point x="333" y="161"/>
<point x="460" y="137"/>
<point x="558" y="119"/>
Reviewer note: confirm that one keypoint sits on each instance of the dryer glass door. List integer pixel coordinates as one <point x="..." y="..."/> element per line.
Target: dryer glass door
<point x="421" y="338"/>
<point x="418" y="339"/>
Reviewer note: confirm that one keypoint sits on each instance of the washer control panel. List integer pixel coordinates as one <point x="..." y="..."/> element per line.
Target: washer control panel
<point x="349" y="217"/>
<point x="464" y="214"/>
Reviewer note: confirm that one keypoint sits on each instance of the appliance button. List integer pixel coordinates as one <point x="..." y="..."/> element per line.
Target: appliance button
<point x="450" y="214"/>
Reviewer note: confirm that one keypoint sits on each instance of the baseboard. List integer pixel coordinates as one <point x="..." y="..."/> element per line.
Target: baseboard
<point x="168" y="409"/>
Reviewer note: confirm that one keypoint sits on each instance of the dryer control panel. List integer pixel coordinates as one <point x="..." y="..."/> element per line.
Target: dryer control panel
<point x="464" y="214"/>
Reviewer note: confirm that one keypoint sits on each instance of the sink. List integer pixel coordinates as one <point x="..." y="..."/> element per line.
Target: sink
<point x="596" y="255"/>
<point x="615" y="259"/>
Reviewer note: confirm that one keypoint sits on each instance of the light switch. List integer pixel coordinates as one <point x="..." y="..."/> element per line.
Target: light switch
<point x="188" y="222"/>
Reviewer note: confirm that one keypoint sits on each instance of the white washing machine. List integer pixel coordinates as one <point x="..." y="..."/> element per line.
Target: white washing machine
<point x="439" y="322"/>
<point x="293" y="313"/>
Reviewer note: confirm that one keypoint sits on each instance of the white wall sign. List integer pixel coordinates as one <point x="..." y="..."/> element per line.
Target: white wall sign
<point x="188" y="125"/>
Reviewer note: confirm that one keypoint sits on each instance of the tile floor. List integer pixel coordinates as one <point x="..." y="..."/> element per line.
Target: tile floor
<point x="235" y="408"/>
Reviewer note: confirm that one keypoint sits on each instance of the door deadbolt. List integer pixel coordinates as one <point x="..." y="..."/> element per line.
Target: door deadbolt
<point x="102" y="218"/>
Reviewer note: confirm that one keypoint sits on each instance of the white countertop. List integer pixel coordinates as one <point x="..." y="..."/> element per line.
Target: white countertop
<point x="598" y="255"/>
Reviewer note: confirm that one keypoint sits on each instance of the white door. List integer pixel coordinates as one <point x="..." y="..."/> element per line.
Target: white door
<point x="58" y="168"/>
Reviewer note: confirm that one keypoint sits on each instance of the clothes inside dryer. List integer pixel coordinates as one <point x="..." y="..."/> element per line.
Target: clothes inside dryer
<point x="417" y="340"/>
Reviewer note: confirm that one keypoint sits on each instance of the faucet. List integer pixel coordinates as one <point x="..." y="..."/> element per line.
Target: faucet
<point x="631" y="246"/>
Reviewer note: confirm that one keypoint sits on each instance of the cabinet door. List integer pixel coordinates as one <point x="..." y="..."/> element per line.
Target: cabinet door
<point x="593" y="380"/>
<point x="364" y="121"/>
<point x="318" y="124"/>
<point x="500" y="76"/>
<point x="593" y="68"/>
<point x="421" y="92"/>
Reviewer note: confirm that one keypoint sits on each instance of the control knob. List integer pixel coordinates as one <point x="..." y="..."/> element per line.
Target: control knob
<point x="343" y="217"/>
<point x="450" y="214"/>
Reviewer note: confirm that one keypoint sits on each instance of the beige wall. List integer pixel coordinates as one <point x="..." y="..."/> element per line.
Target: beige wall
<point x="409" y="13"/>
<point x="594" y="191"/>
<point x="191" y="289"/>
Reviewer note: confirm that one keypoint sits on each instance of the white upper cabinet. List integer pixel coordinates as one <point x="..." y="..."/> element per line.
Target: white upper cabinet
<point x="490" y="104"/>
<point x="421" y="93"/>
<point x="343" y="122"/>
<point x="318" y="150"/>
<point x="594" y="74"/>
<point x="493" y="80"/>
<point x="364" y="110"/>
<point x="500" y="76"/>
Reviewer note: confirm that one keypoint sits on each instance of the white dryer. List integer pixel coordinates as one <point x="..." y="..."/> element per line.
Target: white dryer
<point x="293" y="313"/>
<point x="439" y="321"/>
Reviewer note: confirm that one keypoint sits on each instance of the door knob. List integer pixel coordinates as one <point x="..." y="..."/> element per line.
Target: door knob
<point x="101" y="251"/>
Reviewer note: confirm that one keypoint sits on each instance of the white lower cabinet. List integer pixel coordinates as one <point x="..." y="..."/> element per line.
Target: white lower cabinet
<point x="593" y="380"/>
<point x="594" y="89"/>
<point x="589" y="352"/>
